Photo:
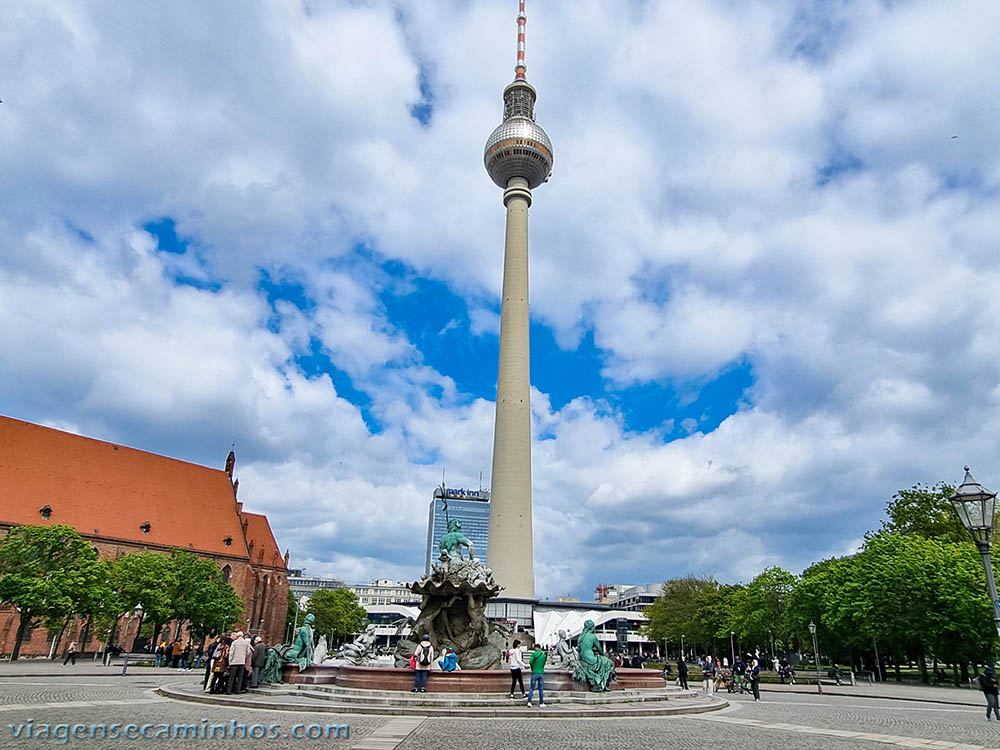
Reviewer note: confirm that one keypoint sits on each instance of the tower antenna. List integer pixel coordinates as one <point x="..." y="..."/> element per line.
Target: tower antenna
<point x="521" y="68"/>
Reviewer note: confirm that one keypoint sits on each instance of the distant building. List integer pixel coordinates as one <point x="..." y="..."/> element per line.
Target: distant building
<point x="383" y="591"/>
<point x="627" y="597"/>
<point x="379" y="591"/>
<point x="305" y="586"/>
<point x="471" y="507"/>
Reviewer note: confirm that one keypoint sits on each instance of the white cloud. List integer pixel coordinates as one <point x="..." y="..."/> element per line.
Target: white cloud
<point x="771" y="186"/>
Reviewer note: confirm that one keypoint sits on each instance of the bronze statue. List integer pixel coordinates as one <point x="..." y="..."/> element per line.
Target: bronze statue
<point x="302" y="647"/>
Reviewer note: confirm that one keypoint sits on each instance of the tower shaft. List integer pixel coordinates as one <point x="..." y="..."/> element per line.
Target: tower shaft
<point x="510" y="513"/>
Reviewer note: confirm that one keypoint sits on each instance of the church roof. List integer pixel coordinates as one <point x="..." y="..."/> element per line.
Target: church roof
<point x="112" y="491"/>
<point x="258" y="533"/>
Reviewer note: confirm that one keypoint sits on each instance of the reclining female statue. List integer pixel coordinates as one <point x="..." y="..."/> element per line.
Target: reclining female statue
<point x="593" y="667"/>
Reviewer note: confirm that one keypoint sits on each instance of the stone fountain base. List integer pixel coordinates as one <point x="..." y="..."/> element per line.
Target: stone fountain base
<point x="464" y="681"/>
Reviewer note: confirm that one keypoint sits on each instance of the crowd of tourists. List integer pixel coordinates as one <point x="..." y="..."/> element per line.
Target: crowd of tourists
<point x="233" y="663"/>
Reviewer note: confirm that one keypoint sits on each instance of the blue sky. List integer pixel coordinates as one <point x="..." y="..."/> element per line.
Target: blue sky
<point x="763" y="273"/>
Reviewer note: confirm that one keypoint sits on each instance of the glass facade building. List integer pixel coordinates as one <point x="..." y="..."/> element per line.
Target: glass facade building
<point x="471" y="507"/>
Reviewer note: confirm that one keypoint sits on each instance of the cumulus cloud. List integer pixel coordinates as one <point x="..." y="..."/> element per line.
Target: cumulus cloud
<point x="807" y="189"/>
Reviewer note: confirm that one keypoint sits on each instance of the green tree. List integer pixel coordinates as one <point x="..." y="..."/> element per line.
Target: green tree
<point x="199" y="595"/>
<point x="688" y="606"/>
<point x="145" y="579"/>
<point x="337" y="613"/>
<point x="49" y="573"/>
<point x="925" y="511"/>
<point x="759" y="610"/>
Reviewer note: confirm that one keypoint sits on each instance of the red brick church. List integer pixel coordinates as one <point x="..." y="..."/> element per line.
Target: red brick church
<point x="125" y="500"/>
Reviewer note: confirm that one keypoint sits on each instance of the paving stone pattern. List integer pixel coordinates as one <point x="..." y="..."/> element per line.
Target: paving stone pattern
<point x="780" y="720"/>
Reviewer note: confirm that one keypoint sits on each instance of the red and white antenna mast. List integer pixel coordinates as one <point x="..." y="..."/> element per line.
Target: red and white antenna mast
<point x="520" y="68"/>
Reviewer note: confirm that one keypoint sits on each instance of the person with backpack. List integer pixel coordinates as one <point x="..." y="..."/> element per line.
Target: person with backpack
<point x="423" y="657"/>
<point x="537" y="662"/>
<point x="988" y="684"/>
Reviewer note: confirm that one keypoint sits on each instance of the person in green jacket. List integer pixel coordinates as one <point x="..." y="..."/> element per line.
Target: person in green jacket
<point x="537" y="662"/>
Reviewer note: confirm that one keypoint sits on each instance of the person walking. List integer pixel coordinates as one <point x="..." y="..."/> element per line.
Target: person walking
<point x="754" y="675"/>
<point x="238" y="653"/>
<point x="259" y="659"/>
<point x="70" y="654"/>
<point x="988" y="684"/>
<point x="708" y="674"/>
<point x="537" y="662"/>
<point x="516" y="662"/>
<point x="423" y="657"/>
<point x="682" y="672"/>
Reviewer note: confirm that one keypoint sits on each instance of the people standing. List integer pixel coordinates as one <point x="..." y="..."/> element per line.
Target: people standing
<point x="199" y="651"/>
<point x="423" y="657"/>
<point x="210" y="653"/>
<point x="537" y="662"/>
<point x="175" y="653"/>
<point x="70" y="654"/>
<point x="682" y="672"/>
<point x="708" y="674"/>
<point x="238" y="652"/>
<point x="516" y="662"/>
<point x="220" y="666"/>
<point x="754" y="675"/>
<point x="988" y="684"/>
<point x="259" y="659"/>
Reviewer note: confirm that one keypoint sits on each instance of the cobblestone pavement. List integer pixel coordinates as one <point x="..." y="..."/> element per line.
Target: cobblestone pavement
<point x="802" y="721"/>
<point x="130" y="700"/>
<point x="933" y="721"/>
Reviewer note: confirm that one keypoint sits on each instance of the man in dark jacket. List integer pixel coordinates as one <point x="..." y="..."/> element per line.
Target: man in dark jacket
<point x="682" y="673"/>
<point x="754" y="674"/>
<point x="258" y="659"/>
<point x="988" y="684"/>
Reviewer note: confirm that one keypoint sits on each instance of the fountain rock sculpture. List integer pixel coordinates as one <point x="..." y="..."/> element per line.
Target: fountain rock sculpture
<point x="453" y="607"/>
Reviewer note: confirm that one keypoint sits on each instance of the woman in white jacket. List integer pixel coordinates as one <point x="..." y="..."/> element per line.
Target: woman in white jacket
<point x="516" y="665"/>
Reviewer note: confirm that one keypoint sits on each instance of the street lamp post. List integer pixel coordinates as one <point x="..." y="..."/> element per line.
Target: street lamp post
<point x="975" y="506"/>
<point x="732" y="649"/>
<point x="812" y="630"/>
<point x="682" y="647"/>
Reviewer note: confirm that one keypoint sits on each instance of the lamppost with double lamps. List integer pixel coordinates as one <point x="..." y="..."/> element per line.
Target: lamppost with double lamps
<point x="975" y="506"/>
<point x="812" y="630"/>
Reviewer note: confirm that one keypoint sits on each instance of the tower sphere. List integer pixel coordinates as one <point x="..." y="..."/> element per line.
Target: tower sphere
<point x="518" y="147"/>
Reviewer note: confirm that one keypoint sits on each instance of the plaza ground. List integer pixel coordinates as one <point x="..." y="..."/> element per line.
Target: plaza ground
<point x="841" y="718"/>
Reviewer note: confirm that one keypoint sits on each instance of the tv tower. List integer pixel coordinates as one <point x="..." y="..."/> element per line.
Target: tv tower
<point x="518" y="157"/>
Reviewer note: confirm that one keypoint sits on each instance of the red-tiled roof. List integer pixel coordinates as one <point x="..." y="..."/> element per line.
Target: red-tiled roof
<point x="265" y="550"/>
<point x="111" y="491"/>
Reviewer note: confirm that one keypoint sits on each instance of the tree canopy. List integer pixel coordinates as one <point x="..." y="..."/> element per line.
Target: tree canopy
<point x="337" y="613"/>
<point x="49" y="573"/>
